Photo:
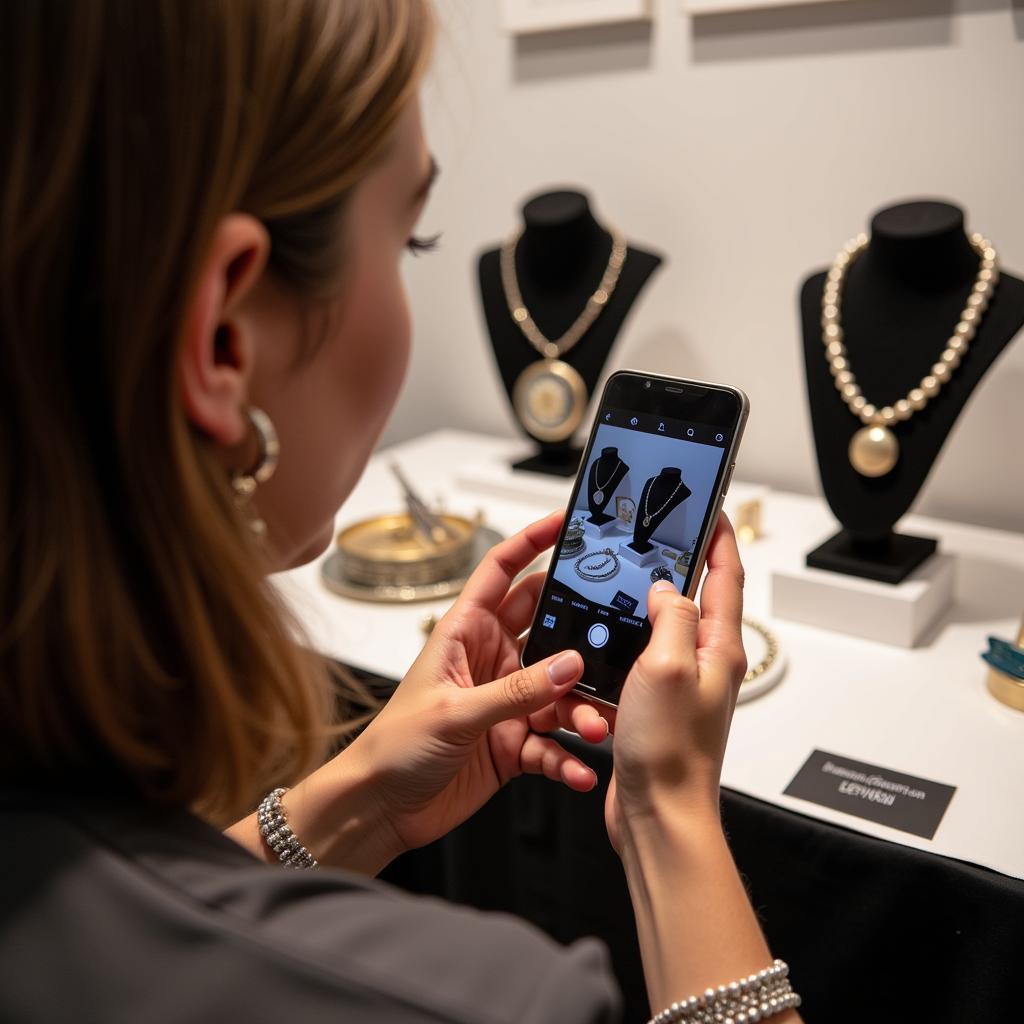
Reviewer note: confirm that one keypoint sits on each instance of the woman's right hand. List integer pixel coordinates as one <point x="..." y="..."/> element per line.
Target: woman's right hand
<point x="695" y="925"/>
<point x="677" y="702"/>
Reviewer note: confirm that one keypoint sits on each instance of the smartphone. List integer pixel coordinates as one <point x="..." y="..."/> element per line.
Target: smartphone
<point x="644" y="505"/>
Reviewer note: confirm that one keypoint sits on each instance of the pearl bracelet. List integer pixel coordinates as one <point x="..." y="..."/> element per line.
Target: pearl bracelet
<point x="747" y="1001"/>
<point x="278" y="836"/>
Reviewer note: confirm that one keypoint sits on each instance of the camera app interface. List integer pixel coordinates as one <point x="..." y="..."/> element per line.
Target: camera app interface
<point x="637" y="517"/>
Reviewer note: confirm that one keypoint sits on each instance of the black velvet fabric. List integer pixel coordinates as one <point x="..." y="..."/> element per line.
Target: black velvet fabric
<point x="873" y="931"/>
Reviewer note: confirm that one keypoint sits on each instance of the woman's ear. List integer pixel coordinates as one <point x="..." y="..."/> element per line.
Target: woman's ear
<point x="216" y="354"/>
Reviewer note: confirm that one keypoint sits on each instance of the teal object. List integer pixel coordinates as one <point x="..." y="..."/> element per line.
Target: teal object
<point x="1005" y="656"/>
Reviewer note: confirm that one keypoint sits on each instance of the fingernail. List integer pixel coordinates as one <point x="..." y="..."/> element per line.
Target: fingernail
<point x="663" y="585"/>
<point x="564" y="669"/>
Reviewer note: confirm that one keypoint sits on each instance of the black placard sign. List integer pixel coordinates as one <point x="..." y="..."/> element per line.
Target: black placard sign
<point x="878" y="794"/>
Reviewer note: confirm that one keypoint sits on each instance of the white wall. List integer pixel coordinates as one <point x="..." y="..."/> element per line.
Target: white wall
<point x="745" y="147"/>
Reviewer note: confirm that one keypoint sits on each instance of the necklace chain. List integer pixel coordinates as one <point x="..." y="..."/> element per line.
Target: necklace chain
<point x="771" y="653"/>
<point x="615" y="469"/>
<point x="956" y="347"/>
<point x="596" y="572"/>
<point x="555" y="349"/>
<point x="648" y="516"/>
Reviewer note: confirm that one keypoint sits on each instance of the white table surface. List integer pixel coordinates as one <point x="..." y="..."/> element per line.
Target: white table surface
<point x="925" y="712"/>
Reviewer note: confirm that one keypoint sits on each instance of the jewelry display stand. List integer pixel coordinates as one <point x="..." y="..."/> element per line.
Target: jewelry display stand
<point x="612" y="528"/>
<point x="898" y="614"/>
<point x="641" y="558"/>
<point x="660" y="497"/>
<point x="559" y="260"/>
<point x="903" y="297"/>
<point x="606" y="475"/>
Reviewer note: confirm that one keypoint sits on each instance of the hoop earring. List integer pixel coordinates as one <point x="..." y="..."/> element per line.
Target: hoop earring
<point x="245" y="482"/>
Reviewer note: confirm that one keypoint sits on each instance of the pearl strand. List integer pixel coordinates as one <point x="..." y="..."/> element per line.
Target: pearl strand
<point x="273" y="826"/>
<point x="956" y="347"/>
<point x="747" y="1001"/>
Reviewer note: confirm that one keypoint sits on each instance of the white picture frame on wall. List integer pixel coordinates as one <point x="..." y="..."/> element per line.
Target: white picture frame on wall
<point x="523" y="16"/>
<point x="726" y="6"/>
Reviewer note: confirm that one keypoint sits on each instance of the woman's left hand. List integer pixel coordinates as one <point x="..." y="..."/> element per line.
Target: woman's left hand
<point x="464" y="720"/>
<point x="458" y="727"/>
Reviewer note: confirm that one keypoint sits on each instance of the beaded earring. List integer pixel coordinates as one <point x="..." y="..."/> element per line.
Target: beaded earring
<point x="244" y="483"/>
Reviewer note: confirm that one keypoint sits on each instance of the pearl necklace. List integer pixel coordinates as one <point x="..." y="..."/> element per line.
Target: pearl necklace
<point x="648" y="516"/>
<point x="874" y="449"/>
<point x="599" y="493"/>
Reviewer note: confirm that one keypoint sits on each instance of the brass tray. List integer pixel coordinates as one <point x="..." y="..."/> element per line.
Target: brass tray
<point x="390" y="551"/>
<point x="335" y="571"/>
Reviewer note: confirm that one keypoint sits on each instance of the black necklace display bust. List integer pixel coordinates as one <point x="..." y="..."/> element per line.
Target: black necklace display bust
<point x="606" y="473"/>
<point x="901" y="300"/>
<point x="661" y="496"/>
<point x="559" y="261"/>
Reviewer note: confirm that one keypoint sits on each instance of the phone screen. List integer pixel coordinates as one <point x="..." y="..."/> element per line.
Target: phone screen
<point x="641" y="510"/>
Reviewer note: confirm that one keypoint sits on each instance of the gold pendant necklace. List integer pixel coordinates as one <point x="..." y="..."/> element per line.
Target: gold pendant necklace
<point x="874" y="449"/>
<point x="550" y="397"/>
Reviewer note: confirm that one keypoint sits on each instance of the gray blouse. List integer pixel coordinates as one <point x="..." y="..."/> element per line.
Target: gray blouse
<point x="113" y="910"/>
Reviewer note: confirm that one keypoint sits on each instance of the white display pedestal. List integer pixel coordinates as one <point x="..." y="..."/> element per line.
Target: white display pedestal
<point x="648" y="558"/>
<point x="613" y="528"/>
<point x="495" y="478"/>
<point x="899" y="614"/>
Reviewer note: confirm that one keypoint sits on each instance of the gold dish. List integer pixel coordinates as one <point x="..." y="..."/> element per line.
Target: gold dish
<point x="391" y="551"/>
<point x="389" y="571"/>
<point x="1006" y="689"/>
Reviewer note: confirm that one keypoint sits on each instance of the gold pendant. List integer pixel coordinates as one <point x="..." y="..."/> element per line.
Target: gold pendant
<point x="550" y="399"/>
<point x="598" y="497"/>
<point x="647" y="520"/>
<point x="874" y="450"/>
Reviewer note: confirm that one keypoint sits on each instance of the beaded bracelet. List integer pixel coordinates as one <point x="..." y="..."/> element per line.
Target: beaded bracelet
<point x="747" y="1001"/>
<point x="278" y="836"/>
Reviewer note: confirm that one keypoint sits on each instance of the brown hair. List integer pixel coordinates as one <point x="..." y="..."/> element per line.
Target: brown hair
<point x="138" y="633"/>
